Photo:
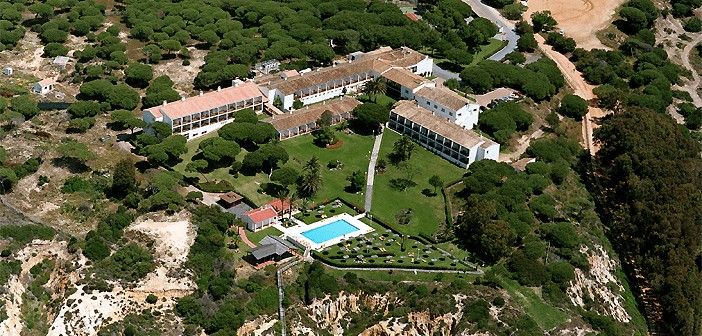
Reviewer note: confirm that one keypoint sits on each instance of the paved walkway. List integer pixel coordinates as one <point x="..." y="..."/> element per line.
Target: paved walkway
<point x="371" y="171"/>
<point x="414" y="270"/>
<point x="244" y="238"/>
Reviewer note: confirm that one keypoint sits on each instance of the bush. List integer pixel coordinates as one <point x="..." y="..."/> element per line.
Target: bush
<point x="151" y="299"/>
<point x="573" y="106"/>
<point x="693" y="25"/>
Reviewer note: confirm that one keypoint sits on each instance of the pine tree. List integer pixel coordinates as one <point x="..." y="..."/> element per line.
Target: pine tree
<point x="124" y="178"/>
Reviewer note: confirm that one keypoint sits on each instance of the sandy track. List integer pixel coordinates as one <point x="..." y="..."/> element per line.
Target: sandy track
<point x="579" y="19"/>
<point x="580" y="87"/>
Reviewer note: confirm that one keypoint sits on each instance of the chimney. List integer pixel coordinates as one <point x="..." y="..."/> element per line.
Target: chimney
<point x="200" y="92"/>
<point x="219" y="88"/>
<point x="182" y="98"/>
<point x="164" y="103"/>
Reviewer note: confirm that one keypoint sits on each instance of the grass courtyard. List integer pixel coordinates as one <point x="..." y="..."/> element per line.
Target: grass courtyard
<point x="353" y="155"/>
<point x="427" y="211"/>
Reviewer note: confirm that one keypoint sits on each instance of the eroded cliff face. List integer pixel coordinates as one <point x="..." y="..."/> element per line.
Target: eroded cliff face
<point x="332" y="314"/>
<point x="599" y="284"/>
<point x="420" y="323"/>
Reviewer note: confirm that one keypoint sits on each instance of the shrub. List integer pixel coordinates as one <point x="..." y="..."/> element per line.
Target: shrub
<point x="573" y="106"/>
<point x="151" y="299"/>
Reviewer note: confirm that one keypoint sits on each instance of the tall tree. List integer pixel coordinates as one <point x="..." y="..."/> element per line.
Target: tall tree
<point x="124" y="178"/>
<point x="402" y="149"/>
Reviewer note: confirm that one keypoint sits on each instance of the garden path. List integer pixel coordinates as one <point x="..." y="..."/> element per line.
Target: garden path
<point x="371" y="171"/>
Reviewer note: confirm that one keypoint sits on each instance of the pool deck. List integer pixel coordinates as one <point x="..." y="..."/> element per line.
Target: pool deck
<point x="295" y="233"/>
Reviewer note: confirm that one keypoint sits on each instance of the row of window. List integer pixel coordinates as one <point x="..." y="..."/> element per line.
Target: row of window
<point x="220" y="116"/>
<point x="220" y="110"/>
<point x="334" y="85"/>
<point x="461" y="155"/>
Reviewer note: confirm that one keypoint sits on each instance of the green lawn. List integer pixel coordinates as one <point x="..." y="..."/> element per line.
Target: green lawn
<point x="487" y="50"/>
<point x="353" y="154"/>
<point x="255" y="237"/>
<point x="380" y="99"/>
<point x="314" y="215"/>
<point x="545" y="315"/>
<point x="428" y="211"/>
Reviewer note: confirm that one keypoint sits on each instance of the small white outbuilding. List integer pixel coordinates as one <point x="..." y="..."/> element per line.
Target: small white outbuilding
<point x="7" y="71"/>
<point x="44" y="86"/>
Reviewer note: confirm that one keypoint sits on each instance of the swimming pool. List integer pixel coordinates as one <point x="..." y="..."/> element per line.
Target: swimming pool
<point x="329" y="231"/>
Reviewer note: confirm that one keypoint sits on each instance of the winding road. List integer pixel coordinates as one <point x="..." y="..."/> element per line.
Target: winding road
<point x="507" y="32"/>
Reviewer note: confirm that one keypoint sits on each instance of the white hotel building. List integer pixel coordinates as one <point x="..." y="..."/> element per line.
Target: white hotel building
<point x="454" y="143"/>
<point x="448" y="104"/>
<point x="326" y="83"/>
<point x="195" y="116"/>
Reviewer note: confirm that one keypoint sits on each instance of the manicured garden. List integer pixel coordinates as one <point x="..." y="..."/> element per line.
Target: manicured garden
<point x="352" y="154"/>
<point x="387" y="248"/>
<point x="428" y="209"/>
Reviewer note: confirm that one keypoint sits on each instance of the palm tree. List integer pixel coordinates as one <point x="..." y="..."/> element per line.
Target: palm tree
<point x="310" y="182"/>
<point x="375" y="87"/>
<point x="312" y="165"/>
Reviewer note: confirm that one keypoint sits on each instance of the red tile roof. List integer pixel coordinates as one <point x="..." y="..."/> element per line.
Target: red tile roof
<point x="412" y="16"/>
<point x="261" y="214"/>
<point x="280" y="205"/>
<point x="207" y="101"/>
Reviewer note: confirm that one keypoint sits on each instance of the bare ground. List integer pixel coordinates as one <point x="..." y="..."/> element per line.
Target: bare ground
<point x="84" y="313"/>
<point x="579" y="19"/>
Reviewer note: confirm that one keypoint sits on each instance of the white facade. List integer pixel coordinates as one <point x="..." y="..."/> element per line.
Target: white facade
<point x="488" y="151"/>
<point x="43" y="87"/>
<point x="195" y="116"/>
<point x="255" y="226"/>
<point x="7" y="71"/>
<point x="466" y="116"/>
<point x="425" y="67"/>
<point x="331" y="92"/>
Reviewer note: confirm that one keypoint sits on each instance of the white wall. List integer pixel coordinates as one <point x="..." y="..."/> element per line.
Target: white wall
<point x="425" y="66"/>
<point x="492" y="152"/>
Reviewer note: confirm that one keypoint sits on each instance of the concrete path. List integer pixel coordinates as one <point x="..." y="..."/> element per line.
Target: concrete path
<point x="281" y="294"/>
<point x="507" y="29"/>
<point x="371" y="171"/>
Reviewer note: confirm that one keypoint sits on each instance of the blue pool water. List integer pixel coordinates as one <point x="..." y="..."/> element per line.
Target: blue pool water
<point x="329" y="231"/>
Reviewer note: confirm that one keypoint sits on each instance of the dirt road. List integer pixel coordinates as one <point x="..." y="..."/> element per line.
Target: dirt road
<point x="694" y="84"/>
<point x="580" y="87"/>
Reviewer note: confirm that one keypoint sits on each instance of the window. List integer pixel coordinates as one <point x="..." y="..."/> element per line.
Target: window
<point x="451" y="114"/>
<point x="428" y="103"/>
<point x="443" y="109"/>
<point x="435" y="106"/>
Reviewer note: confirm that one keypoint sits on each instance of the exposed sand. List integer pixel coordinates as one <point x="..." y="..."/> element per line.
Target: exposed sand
<point x="84" y="313"/>
<point x="579" y="19"/>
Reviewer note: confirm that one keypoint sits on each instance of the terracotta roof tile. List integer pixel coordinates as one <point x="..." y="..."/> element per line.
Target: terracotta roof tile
<point x="261" y="214"/>
<point x="311" y="113"/>
<point x="210" y="100"/>
<point x="405" y="78"/>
